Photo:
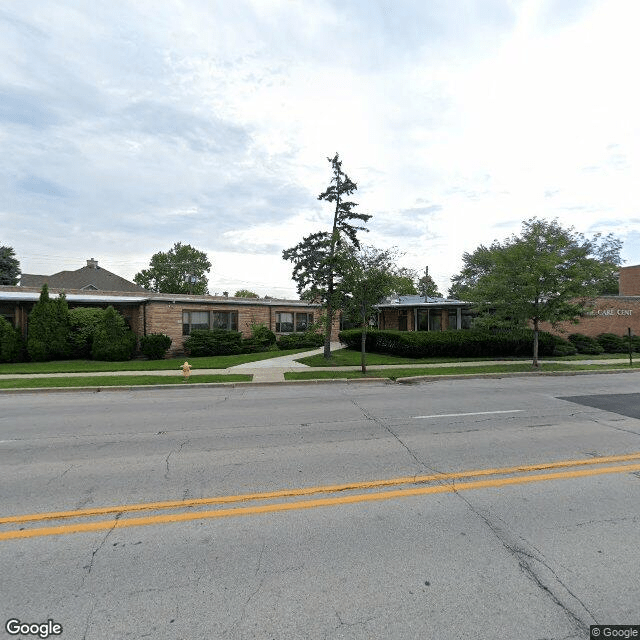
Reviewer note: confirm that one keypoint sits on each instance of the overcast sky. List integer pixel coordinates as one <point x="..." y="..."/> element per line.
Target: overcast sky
<point x="128" y="126"/>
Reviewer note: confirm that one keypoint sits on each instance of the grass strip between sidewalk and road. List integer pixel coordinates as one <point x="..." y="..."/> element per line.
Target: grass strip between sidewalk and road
<point x="350" y="357"/>
<point x="118" y="381"/>
<point x="88" y="366"/>
<point x="448" y="371"/>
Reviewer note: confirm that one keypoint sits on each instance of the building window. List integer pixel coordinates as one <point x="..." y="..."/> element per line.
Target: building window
<point x="287" y="322"/>
<point x="224" y="320"/>
<point x="209" y="320"/>
<point x="453" y="319"/>
<point x="435" y="319"/>
<point x="284" y="323"/>
<point x="423" y="320"/>
<point x="303" y="321"/>
<point x="467" y="318"/>
<point x="402" y="320"/>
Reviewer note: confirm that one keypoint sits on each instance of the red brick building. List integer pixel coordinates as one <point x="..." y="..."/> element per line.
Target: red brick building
<point x="610" y="314"/>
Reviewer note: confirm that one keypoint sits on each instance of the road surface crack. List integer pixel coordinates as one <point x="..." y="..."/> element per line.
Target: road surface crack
<point x="62" y="475"/>
<point x="387" y="428"/>
<point x="526" y="561"/>
<point x="97" y="549"/>
<point x="342" y="623"/>
<point x="166" y="461"/>
<point x="88" y="624"/>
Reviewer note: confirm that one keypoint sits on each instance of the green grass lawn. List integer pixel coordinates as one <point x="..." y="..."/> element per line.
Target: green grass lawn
<point x="516" y="367"/>
<point x="117" y="381"/>
<point x="81" y="366"/>
<point x="348" y="357"/>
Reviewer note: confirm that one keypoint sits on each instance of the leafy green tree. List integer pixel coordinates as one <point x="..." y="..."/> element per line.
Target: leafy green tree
<point x="49" y="328"/>
<point x="9" y="267"/>
<point x="180" y="270"/>
<point x="427" y="287"/>
<point x="112" y="339"/>
<point x="546" y="274"/>
<point x="368" y="275"/>
<point x="315" y="259"/>
<point x="404" y="282"/>
<point x="245" y="293"/>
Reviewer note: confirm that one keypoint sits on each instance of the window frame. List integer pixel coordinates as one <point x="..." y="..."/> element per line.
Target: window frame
<point x="231" y="323"/>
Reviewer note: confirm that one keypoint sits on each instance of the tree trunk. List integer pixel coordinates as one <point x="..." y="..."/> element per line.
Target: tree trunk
<point x="535" y="343"/>
<point x="363" y="346"/>
<point x="328" y="327"/>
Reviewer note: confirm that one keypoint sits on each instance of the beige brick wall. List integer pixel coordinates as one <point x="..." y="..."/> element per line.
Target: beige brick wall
<point x="166" y="318"/>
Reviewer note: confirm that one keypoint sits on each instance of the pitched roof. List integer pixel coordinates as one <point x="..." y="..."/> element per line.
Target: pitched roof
<point x="90" y="278"/>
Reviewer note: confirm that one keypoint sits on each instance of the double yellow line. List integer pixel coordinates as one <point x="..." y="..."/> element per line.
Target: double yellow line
<point x="444" y="483"/>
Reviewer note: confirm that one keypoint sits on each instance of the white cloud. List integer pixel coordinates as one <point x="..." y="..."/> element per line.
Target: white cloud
<point x="130" y="126"/>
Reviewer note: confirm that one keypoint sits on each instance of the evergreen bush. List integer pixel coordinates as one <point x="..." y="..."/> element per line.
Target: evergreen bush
<point x="49" y="328"/>
<point x="301" y="340"/>
<point x="113" y="340"/>
<point x="455" y="344"/>
<point x="261" y="334"/>
<point x="12" y="348"/>
<point x="635" y="343"/>
<point x="213" y="342"/>
<point x="155" y="345"/>
<point x="612" y="343"/>
<point x="585" y="344"/>
<point x="83" y="322"/>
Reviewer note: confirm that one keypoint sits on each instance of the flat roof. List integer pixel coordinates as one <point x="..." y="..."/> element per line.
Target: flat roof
<point x="30" y="296"/>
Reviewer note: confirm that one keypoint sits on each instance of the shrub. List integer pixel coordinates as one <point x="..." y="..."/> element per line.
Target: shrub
<point x="562" y="347"/>
<point x="112" y="339"/>
<point x="635" y="343"/>
<point x="301" y="340"/>
<point x="83" y="322"/>
<point x="213" y="342"/>
<point x="585" y="344"/>
<point x="155" y="345"/>
<point x="612" y="343"/>
<point x="49" y="328"/>
<point x="12" y="348"/>
<point x="455" y="344"/>
<point x="261" y="334"/>
<point x="262" y="339"/>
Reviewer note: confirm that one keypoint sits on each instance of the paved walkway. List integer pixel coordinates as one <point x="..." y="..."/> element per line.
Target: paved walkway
<point x="272" y="370"/>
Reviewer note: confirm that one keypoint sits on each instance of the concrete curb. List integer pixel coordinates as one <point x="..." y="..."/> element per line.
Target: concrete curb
<point x="238" y="385"/>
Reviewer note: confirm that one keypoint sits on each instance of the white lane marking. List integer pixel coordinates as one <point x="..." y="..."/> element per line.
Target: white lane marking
<point x="457" y="415"/>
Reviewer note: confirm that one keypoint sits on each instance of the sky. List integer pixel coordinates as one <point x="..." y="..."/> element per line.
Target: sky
<point x="128" y="126"/>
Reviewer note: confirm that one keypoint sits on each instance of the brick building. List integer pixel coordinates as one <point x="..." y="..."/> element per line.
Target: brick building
<point x="417" y="313"/>
<point x="610" y="314"/>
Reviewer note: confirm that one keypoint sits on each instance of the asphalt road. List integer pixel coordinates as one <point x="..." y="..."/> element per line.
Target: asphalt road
<point x="494" y="508"/>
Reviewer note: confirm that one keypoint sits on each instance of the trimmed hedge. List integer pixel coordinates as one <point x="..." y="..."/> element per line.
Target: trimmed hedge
<point x="457" y="344"/>
<point x="301" y="340"/>
<point x="585" y="344"/>
<point x="213" y="342"/>
<point x="155" y="345"/>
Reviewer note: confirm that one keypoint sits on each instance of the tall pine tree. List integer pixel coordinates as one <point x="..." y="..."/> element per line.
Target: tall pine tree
<point x="316" y="259"/>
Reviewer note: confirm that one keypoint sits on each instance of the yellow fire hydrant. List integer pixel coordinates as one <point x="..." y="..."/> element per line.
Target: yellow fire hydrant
<point x="186" y="371"/>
